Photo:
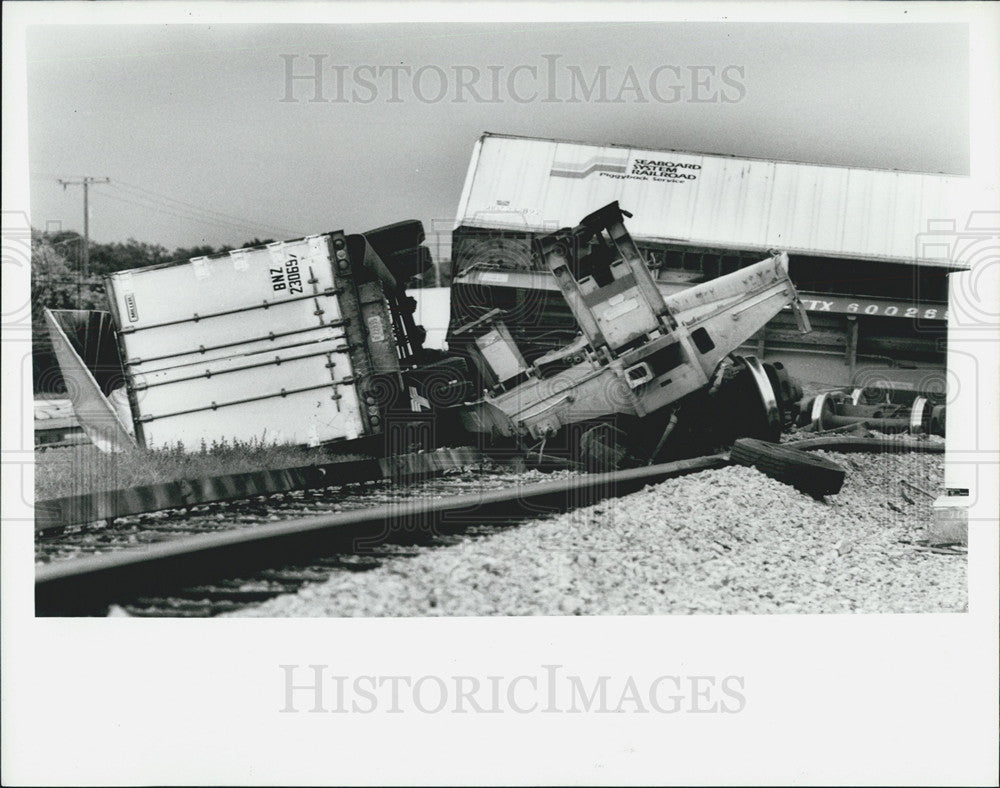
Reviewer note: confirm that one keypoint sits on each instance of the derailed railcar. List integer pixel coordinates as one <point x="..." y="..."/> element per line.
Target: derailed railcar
<point x="634" y="358"/>
<point x="302" y="342"/>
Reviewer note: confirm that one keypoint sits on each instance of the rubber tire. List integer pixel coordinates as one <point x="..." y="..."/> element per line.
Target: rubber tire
<point x="815" y="476"/>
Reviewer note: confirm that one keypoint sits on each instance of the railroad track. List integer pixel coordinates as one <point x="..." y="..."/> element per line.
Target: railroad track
<point x="210" y="573"/>
<point x="228" y="564"/>
<point x="175" y="519"/>
<point x="55" y="514"/>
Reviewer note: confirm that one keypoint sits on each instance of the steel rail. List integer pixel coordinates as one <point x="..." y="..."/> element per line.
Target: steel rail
<point x="85" y="586"/>
<point x="53" y="514"/>
<point x="844" y="443"/>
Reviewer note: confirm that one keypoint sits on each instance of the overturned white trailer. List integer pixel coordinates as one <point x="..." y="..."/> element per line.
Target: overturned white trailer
<point x="300" y="342"/>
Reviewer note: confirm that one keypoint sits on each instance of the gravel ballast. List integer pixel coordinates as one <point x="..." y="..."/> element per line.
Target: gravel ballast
<point x="724" y="541"/>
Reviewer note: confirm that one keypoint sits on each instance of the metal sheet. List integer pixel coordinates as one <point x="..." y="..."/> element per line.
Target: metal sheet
<point x="238" y="347"/>
<point x="517" y="183"/>
<point x="94" y="411"/>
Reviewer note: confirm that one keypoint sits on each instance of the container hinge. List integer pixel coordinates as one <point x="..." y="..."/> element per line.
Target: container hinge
<point x="133" y="362"/>
<point x="284" y="393"/>
<point x="201" y="349"/>
<point x="214" y="405"/>
<point x="333" y="291"/>
<point x="335" y="395"/>
<point x="126" y="329"/>
<point x="277" y="361"/>
<point x="140" y="386"/>
<point x="266" y="305"/>
<point x="345" y="381"/>
<point x="144" y="419"/>
<point x="195" y="317"/>
<point x="270" y="336"/>
<point x="312" y="280"/>
<point x="319" y="312"/>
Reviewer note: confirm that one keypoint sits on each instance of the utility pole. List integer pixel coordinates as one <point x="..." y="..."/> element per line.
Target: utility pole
<point x="85" y="182"/>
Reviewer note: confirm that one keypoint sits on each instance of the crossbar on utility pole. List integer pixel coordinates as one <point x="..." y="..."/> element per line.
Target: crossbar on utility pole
<point x="85" y="182"/>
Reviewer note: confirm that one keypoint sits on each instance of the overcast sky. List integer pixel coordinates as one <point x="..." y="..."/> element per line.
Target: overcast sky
<point x="189" y="122"/>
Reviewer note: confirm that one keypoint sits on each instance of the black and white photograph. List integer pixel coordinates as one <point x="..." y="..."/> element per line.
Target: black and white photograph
<point x="372" y="367"/>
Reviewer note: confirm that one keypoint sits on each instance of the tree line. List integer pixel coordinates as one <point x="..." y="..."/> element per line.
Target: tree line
<point x="58" y="282"/>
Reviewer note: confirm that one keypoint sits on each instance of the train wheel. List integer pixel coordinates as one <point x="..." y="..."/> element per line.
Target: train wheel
<point x="920" y="416"/>
<point x="938" y="420"/>
<point x="763" y="410"/>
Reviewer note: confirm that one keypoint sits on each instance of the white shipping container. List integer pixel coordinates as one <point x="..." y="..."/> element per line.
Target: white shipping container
<point x="249" y="345"/>
<point x="538" y="185"/>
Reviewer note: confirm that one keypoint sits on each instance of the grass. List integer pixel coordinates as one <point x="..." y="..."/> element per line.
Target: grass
<point x="77" y="470"/>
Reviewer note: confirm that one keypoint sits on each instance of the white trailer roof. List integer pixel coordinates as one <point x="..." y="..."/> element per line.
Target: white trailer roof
<point x="522" y="183"/>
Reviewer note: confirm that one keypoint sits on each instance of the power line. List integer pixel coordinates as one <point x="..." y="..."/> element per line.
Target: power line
<point x="158" y="208"/>
<point x="191" y="213"/>
<point x="187" y="210"/>
<point x="140" y="201"/>
<point x="220" y="214"/>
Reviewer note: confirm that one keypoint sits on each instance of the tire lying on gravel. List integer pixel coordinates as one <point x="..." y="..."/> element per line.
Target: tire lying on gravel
<point x="812" y="475"/>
